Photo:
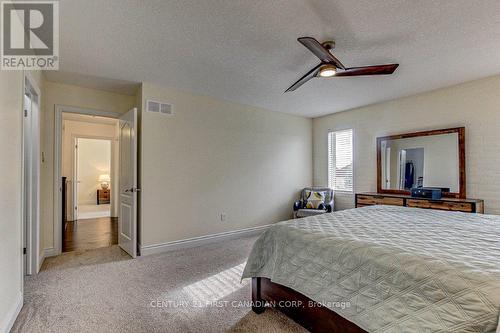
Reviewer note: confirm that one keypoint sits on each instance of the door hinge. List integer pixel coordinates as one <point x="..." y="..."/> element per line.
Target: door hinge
<point x="25" y="113"/>
<point x="24" y="250"/>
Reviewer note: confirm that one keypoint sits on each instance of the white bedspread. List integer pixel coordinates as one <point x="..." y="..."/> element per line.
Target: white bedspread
<point x="400" y="269"/>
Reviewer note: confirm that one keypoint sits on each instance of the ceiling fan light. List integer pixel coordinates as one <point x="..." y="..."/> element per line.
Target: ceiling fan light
<point x="327" y="71"/>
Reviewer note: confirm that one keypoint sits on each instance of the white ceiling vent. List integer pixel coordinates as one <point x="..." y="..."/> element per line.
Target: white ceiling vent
<point x="159" y="107"/>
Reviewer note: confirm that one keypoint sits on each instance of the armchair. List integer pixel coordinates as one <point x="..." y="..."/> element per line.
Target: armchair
<point x="320" y="204"/>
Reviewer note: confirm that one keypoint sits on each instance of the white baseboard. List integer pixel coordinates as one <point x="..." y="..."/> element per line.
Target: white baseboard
<point x="202" y="240"/>
<point x="41" y="258"/>
<point x="11" y="316"/>
<point x="50" y="252"/>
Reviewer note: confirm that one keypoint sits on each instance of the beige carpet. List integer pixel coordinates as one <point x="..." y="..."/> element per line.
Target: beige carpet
<point x="103" y="290"/>
<point x="271" y="321"/>
<point x="79" y="258"/>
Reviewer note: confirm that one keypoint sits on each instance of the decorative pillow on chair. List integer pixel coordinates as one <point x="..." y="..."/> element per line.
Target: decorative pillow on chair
<point x="315" y="199"/>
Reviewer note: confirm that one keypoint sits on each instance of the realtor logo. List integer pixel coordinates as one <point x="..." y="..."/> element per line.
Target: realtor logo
<point x="30" y="35"/>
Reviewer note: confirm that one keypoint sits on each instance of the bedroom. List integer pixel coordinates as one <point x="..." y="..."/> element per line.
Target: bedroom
<point x="224" y="153"/>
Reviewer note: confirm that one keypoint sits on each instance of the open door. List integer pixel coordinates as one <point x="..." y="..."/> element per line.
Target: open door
<point x="402" y="169"/>
<point x="31" y="179"/>
<point x="127" y="218"/>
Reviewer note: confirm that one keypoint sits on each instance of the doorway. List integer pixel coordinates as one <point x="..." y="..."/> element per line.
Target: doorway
<point x="89" y="165"/>
<point x="92" y="197"/>
<point x="123" y="176"/>
<point x="411" y="168"/>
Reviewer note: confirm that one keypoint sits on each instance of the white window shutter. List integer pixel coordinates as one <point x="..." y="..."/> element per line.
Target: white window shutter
<point x="340" y="160"/>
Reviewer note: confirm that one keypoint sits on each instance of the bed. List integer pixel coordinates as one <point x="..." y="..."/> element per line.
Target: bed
<point x="382" y="269"/>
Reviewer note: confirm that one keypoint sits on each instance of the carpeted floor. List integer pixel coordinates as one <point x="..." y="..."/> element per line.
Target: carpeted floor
<point x="103" y="290"/>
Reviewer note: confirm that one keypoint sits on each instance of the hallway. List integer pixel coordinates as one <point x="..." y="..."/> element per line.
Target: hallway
<point x="86" y="211"/>
<point x="90" y="234"/>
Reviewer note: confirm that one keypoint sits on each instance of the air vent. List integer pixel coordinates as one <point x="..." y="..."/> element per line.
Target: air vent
<point x="153" y="106"/>
<point x="159" y="107"/>
<point x="165" y="108"/>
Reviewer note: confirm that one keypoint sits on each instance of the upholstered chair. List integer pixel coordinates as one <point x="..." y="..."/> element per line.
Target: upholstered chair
<point x="314" y="201"/>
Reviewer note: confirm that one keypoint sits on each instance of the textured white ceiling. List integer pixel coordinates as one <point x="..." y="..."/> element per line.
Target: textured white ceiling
<point x="246" y="50"/>
<point x="95" y="82"/>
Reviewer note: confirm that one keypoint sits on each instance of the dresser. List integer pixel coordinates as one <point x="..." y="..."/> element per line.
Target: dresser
<point x="103" y="197"/>
<point x="451" y="204"/>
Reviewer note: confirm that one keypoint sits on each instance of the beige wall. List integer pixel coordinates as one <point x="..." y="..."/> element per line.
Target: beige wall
<point x="69" y="95"/>
<point x="475" y="105"/>
<point x="71" y="130"/>
<point x="11" y="110"/>
<point x="11" y="87"/>
<point x="94" y="160"/>
<point x="214" y="156"/>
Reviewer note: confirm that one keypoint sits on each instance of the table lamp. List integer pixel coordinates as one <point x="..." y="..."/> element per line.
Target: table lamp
<point x="104" y="180"/>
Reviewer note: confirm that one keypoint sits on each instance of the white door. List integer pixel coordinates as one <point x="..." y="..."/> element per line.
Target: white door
<point x="388" y="168"/>
<point x="402" y="169"/>
<point x="31" y="179"/>
<point x="27" y="185"/>
<point x="75" y="183"/>
<point x="127" y="216"/>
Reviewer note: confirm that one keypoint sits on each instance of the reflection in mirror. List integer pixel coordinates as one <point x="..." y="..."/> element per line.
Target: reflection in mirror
<point x="424" y="161"/>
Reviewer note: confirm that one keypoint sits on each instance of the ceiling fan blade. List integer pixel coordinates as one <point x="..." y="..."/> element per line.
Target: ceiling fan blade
<point x="312" y="73"/>
<point x="368" y="70"/>
<point x="320" y="51"/>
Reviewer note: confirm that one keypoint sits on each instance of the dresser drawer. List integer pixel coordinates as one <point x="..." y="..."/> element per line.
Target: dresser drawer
<point x="368" y="200"/>
<point x="443" y="205"/>
<point x="103" y="196"/>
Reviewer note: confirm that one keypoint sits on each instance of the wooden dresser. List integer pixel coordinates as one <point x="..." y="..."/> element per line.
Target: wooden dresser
<point x="103" y="197"/>
<point x="462" y="205"/>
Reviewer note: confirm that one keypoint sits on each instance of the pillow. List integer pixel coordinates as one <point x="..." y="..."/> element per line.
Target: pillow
<point x="314" y="199"/>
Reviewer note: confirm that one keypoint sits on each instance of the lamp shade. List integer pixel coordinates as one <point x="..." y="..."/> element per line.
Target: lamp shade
<point x="104" y="178"/>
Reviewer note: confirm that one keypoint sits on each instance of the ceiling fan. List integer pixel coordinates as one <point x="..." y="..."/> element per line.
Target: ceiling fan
<point x="330" y="66"/>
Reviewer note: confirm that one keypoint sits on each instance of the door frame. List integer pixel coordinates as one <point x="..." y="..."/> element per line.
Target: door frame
<point x="74" y="139"/>
<point x="59" y="109"/>
<point x="31" y="170"/>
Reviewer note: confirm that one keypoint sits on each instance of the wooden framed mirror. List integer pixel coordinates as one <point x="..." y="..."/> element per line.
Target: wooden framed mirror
<point x="433" y="158"/>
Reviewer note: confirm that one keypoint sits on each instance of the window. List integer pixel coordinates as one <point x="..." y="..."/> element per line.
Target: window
<point x="340" y="174"/>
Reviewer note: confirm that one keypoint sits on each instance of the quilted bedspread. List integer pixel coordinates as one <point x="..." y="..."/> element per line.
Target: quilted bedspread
<point x="393" y="269"/>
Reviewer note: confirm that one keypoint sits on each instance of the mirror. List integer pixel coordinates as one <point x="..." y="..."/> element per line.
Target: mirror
<point x="423" y="159"/>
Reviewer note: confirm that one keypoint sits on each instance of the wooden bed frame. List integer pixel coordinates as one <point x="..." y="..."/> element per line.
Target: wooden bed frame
<point x="300" y="308"/>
